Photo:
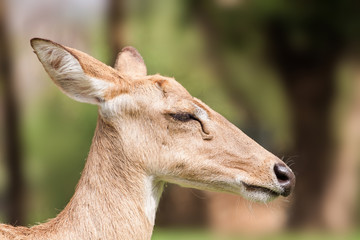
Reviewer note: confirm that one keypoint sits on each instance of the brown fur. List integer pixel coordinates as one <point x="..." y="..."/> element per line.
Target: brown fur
<point x="138" y="145"/>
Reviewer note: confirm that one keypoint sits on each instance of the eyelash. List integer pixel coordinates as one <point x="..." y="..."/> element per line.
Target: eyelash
<point x="186" y="117"/>
<point x="183" y="117"/>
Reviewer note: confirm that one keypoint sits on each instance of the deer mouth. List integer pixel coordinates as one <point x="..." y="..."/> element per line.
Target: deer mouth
<point x="254" y="188"/>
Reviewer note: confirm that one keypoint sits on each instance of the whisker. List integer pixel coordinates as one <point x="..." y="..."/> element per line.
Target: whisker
<point x="197" y="195"/>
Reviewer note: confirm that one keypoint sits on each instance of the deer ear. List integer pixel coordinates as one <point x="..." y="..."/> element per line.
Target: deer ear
<point x="130" y="63"/>
<point x="77" y="74"/>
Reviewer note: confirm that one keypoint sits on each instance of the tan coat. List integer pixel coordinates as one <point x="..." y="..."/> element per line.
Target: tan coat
<point x="150" y="130"/>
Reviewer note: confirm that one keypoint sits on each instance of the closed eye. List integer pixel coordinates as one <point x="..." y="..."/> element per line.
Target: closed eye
<point x="183" y="116"/>
<point x="186" y="117"/>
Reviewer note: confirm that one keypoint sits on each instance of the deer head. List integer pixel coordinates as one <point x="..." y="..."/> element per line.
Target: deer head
<point x="164" y="131"/>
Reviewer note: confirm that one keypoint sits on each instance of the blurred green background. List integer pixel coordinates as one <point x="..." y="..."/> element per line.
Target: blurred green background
<point x="285" y="72"/>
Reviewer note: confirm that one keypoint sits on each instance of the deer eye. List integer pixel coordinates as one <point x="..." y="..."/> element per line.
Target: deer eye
<point x="183" y="117"/>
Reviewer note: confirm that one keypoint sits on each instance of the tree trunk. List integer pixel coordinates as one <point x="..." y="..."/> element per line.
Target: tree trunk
<point x="116" y="16"/>
<point x="13" y="148"/>
<point x="340" y="199"/>
<point x="308" y="76"/>
<point x="310" y="94"/>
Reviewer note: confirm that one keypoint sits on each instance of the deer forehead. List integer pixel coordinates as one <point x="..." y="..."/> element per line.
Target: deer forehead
<point x="164" y="94"/>
<point x="142" y="92"/>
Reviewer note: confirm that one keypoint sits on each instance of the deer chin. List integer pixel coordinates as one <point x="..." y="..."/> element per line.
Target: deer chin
<point x="255" y="191"/>
<point x="259" y="193"/>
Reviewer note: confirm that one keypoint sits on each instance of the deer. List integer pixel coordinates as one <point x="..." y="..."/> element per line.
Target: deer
<point x="149" y="131"/>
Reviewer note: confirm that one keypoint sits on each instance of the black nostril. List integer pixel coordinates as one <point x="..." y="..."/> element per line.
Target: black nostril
<point x="282" y="173"/>
<point x="285" y="177"/>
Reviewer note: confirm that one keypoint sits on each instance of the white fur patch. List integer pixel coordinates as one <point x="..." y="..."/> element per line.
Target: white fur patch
<point x="153" y="192"/>
<point x="257" y="196"/>
<point x="201" y="113"/>
<point x="119" y="104"/>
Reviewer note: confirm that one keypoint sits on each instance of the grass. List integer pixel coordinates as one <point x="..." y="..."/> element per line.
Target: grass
<point x="199" y="234"/>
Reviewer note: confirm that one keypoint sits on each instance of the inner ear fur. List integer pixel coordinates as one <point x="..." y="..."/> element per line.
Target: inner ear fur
<point x="77" y="74"/>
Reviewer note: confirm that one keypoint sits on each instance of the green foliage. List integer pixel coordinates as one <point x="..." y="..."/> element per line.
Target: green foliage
<point x="202" y="234"/>
<point x="58" y="134"/>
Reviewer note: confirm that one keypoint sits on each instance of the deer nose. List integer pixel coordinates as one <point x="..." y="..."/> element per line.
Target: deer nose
<point x="285" y="177"/>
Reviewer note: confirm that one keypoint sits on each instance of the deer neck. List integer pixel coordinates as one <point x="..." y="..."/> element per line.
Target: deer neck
<point x="114" y="198"/>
